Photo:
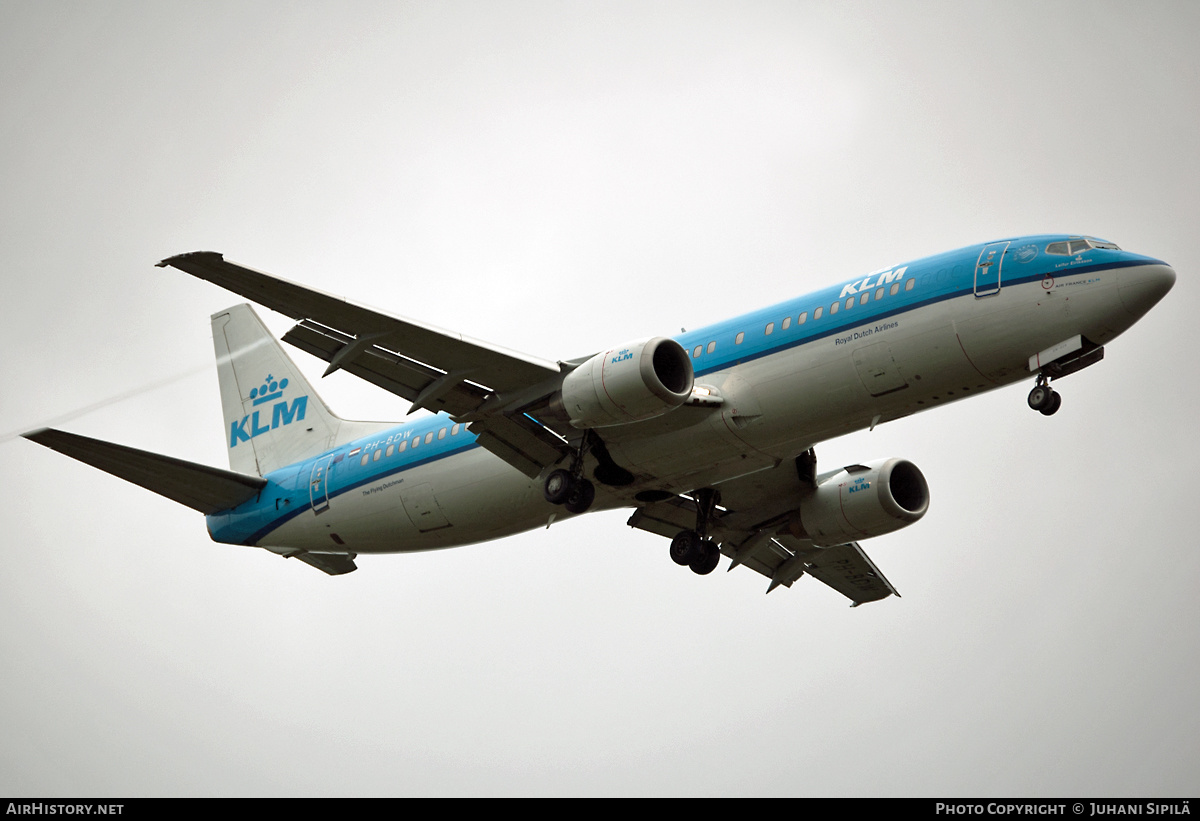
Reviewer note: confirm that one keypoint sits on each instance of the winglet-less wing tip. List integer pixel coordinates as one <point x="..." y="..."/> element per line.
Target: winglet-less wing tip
<point x="211" y="256"/>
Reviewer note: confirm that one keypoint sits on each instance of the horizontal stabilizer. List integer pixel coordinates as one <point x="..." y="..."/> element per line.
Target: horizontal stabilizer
<point x="200" y="487"/>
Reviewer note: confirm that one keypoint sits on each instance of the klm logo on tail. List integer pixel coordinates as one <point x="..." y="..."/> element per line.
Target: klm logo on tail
<point x="281" y="413"/>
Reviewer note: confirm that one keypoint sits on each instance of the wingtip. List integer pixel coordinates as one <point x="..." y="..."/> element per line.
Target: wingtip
<point x="34" y="435"/>
<point x="173" y="261"/>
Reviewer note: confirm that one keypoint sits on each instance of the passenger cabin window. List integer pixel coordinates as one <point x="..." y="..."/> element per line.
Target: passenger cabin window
<point x="696" y="352"/>
<point x="787" y="320"/>
<point x="738" y="340"/>
<point x="833" y="309"/>
<point x="391" y="449"/>
<point x="908" y="286"/>
<point x="712" y="346"/>
<point x="378" y="453"/>
<point x="863" y="299"/>
<point x="454" y="430"/>
<point x="770" y="329"/>
<point x="442" y="433"/>
<point x="849" y="302"/>
<point x="879" y="295"/>
<point x="803" y="318"/>
<point x="817" y="313"/>
<point x="364" y="459"/>
<point x="429" y="437"/>
<point x="895" y="289"/>
<point x="403" y="447"/>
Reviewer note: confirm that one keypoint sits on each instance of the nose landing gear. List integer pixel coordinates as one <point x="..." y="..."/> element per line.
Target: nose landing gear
<point x="1044" y="399"/>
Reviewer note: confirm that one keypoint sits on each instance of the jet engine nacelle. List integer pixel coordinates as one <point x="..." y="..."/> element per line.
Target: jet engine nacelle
<point x="861" y="501"/>
<point x="639" y="380"/>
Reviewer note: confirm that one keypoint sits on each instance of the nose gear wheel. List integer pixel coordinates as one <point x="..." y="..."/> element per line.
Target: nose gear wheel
<point x="1044" y="399"/>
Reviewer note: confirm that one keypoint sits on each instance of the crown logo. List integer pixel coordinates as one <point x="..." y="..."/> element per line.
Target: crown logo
<point x="270" y="390"/>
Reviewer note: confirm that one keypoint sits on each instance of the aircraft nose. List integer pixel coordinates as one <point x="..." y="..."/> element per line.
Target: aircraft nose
<point x="1143" y="286"/>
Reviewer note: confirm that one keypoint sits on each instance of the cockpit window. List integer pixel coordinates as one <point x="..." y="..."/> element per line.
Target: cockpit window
<point x="1079" y="245"/>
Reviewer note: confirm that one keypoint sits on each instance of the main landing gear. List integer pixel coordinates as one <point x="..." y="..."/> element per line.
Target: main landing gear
<point x="572" y="492"/>
<point x="692" y="547"/>
<point x="1044" y="399"/>
<point x="567" y="487"/>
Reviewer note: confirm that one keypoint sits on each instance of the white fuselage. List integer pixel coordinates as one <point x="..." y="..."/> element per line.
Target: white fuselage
<point x="945" y="343"/>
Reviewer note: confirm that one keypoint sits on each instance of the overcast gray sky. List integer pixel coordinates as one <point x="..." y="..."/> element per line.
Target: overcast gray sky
<point x="556" y="178"/>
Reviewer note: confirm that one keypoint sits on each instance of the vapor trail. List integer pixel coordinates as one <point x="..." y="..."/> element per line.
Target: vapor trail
<point x="103" y="403"/>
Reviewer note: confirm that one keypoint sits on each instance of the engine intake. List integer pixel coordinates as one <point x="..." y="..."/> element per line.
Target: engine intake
<point x="862" y="501"/>
<point x="636" y="381"/>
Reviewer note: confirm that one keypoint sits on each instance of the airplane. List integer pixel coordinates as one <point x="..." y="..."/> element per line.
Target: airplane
<point x="708" y="436"/>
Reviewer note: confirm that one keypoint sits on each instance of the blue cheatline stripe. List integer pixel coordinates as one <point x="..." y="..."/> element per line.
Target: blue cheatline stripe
<point x="292" y="513"/>
<point x="727" y="362"/>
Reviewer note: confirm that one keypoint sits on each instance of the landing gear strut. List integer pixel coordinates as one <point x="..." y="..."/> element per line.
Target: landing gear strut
<point x="693" y="548"/>
<point x="1044" y="399"/>
<point x="568" y="487"/>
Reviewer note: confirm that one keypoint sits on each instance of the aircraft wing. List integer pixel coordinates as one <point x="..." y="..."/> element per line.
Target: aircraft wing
<point x="432" y="368"/>
<point x="751" y="527"/>
<point x="200" y="487"/>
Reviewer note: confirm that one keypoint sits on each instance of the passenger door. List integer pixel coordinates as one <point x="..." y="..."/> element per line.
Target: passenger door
<point x="987" y="269"/>
<point x="318" y="485"/>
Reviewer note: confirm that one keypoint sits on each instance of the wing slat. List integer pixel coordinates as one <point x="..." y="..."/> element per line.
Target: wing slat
<point x="498" y="368"/>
